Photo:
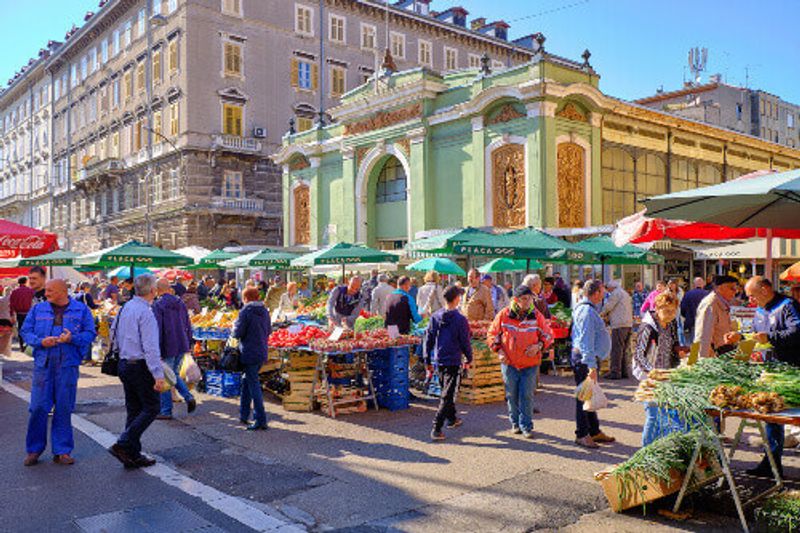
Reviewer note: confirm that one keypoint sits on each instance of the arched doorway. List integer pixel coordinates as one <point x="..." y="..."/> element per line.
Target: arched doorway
<point x="388" y="196"/>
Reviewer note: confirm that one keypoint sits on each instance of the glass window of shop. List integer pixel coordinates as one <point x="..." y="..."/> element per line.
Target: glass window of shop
<point x="618" y="184"/>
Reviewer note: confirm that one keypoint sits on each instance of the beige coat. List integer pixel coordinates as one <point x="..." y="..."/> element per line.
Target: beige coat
<point x="712" y="323"/>
<point x="479" y="305"/>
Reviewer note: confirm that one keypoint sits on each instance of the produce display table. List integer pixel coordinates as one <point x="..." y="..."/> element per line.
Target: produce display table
<point x="483" y="382"/>
<point x="746" y="419"/>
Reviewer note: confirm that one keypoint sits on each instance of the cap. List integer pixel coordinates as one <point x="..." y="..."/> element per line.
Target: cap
<point x="522" y="290"/>
<point x="721" y="280"/>
<point x="486" y="277"/>
<point x="452" y="292"/>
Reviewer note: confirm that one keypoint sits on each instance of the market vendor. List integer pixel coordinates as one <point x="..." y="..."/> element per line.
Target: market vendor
<point x="783" y="333"/>
<point x="401" y="308"/>
<point x="345" y="304"/>
<point x="713" y="328"/>
<point x="289" y="299"/>
<point x="658" y="347"/>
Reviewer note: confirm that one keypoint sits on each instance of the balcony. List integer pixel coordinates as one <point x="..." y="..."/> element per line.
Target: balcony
<point x="232" y="143"/>
<point x="237" y="206"/>
<point x="13" y="204"/>
<point x="100" y="172"/>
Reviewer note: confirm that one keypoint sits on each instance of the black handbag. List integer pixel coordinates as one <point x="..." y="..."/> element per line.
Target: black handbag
<point x="231" y="359"/>
<point x="110" y="365"/>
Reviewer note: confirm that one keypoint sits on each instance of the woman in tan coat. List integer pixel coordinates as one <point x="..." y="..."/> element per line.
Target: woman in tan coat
<point x="477" y="302"/>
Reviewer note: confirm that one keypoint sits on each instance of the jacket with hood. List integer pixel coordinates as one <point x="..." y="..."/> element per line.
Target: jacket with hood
<point x="252" y="328"/>
<point x="174" y="328"/>
<point x="514" y="331"/>
<point x="448" y="339"/>
<point x="656" y="346"/>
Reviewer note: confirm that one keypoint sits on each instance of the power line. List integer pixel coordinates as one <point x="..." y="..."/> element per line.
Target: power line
<point x="550" y="11"/>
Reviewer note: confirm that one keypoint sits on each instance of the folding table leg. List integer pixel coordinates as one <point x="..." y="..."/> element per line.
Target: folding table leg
<point x="689" y="473"/>
<point x="726" y="470"/>
<point x="770" y="457"/>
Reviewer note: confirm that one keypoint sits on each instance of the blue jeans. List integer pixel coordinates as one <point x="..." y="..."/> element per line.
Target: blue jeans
<point x="775" y="436"/>
<point x="54" y="387"/>
<point x="166" y="397"/>
<point x="251" y="393"/>
<point x="519" y="385"/>
<point x="660" y="422"/>
<point x="141" y="403"/>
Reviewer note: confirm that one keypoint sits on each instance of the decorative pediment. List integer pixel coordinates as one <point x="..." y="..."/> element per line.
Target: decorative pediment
<point x="384" y="119"/>
<point x="233" y="93"/>
<point x="299" y="163"/>
<point x="571" y="112"/>
<point x="507" y="113"/>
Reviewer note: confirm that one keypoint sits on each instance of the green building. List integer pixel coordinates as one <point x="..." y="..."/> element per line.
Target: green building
<point x="534" y="145"/>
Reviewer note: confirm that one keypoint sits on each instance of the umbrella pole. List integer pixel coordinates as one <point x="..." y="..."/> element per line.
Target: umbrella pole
<point x="132" y="271"/>
<point x="768" y="263"/>
<point x="527" y="266"/>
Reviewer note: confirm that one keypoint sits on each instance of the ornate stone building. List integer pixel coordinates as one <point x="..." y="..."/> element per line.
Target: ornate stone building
<point x="534" y="145"/>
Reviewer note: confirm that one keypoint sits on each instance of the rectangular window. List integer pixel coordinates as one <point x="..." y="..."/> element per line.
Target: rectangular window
<point x="338" y="85"/>
<point x="115" y="43"/>
<point x="304" y="124"/>
<point x="115" y="145"/>
<point x="398" y="48"/>
<point x="126" y="34"/>
<point x="84" y="67"/>
<point x="173" y="119"/>
<point x="474" y="61"/>
<point x="157" y="67"/>
<point x="140" y="23"/>
<point x="140" y="77"/>
<point x="232" y="185"/>
<point x="424" y="51"/>
<point x="790" y="120"/>
<point x="93" y="60"/>
<point x="233" y="59"/>
<point x="104" y="51"/>
<point x="450" y="59"/>
<point x="232" y="7"/>
<point x="57" y="88"/>
<point x="173" y="56"/>
<point x="232" y="119"/>
<point x="127" y="82"/>
<point x="158" y="187"/>
<point x="368" y="33"/>
<point x="174" y="186"/>
<point x="498" y="65"/>
<point x="304" y="20"/>
<point x="136" y="137"/>
<point x="738" y="111"/>
<point x="304" y="74"/>
<point x="115" y="94"/>
<point x="337" y="29"/>
<point x="157" y="124"/>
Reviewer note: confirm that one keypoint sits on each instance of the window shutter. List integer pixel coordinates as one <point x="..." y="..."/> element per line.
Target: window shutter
<point x="237" y="117"/>
<point x="314" y="76"/>
<point x="295" y="72"/>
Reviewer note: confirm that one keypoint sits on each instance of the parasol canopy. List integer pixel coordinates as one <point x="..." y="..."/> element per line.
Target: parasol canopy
<point x="504" y="264"/>
<point x="266" y="258"/>
<point x="57" y="258"/>
<point x="125" y="272"/>
<point x="441" y="265"/>
<point x="344" y="254"/>
<point x="134" y="253"/>
<point x="213" y="259"/>
<point x="792" y="273"/>
<point x="442" y="243"/>
<point x="19" y="240"/>
<point x="527" y="243"/>
<point x="610" y="254"/>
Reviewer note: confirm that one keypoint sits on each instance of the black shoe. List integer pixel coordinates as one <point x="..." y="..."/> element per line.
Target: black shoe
<point x="191" y="405"/>
<point x="244" y="421"/>
<point x="516" y="430"/>
<point x="143" y="461"/>
<point x="257" y="427"/>
<point x="437" y="435"/>
<point x="122" y="456"/>
<point x="764" y="470"/>
<point x="536" y="411"/>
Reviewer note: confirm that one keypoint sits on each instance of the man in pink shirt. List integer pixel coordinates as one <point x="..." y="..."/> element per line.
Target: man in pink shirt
<point x="20" y="303"/>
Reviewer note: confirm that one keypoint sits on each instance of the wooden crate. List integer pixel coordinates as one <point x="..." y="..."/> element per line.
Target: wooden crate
<point x="481" y="395"/>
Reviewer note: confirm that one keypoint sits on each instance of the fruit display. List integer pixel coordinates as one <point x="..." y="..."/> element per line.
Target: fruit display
<point x="285" y="338"/>
<point x="365" y="340"/>
<point x="315" y="308"/>
<point x="215" y="319"/>
<point x="479" y="328"/>
<point x="368" y="323"/>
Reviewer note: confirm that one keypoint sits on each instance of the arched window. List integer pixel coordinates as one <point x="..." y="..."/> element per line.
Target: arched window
<point x="392" y="183"/>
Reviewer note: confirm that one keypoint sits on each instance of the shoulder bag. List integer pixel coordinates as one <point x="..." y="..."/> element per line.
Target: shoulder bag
<point x="110" y="365"/>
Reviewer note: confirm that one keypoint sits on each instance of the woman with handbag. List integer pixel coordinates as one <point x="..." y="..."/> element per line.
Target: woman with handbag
<point x="252" y="328"/>
<point x="658" y="348"/>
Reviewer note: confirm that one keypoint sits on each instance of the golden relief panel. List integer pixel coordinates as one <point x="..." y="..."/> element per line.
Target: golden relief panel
<point x="506" y="114"/>
<point x="571" y="112"/>
<point x="508" y="186"/>
<point x="571" y="185"/>
<point x="299" y="163"/>
<point x="384" y="119"/>
<point x="302" y="215"/>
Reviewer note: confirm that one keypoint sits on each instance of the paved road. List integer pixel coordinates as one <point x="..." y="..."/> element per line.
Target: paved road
<point x="377" y="471"/>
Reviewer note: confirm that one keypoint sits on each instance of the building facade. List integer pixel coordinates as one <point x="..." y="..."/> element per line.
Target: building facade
<point x="748" y="111"/>
<point x="533" y="145"/>
<point x="163" y="112"/>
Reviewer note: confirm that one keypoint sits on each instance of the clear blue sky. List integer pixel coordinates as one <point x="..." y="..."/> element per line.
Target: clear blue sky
<point x="636" y="45"/>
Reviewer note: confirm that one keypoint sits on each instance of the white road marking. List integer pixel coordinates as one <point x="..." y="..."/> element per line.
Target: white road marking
<point x="231" y="506"/>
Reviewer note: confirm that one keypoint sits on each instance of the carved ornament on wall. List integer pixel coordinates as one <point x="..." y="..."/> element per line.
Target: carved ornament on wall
<point x="384" y="119"/>
<point x="508" y="186"/>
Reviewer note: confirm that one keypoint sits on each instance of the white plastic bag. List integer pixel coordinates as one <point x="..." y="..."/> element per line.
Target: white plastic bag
<point x="169" y="377"/>
<point x="597" y="400"/>
<point x="190" y="372"/>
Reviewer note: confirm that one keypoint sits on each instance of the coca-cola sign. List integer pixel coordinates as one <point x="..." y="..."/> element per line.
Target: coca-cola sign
<point x="24" y="243"/>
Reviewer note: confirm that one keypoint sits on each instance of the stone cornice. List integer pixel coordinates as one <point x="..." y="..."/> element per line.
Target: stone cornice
<point x="411" y="92"/>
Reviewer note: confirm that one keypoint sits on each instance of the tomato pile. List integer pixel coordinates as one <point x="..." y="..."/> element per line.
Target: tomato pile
<point x="479" y="328"/>
<point x="282" y="338"/>
<point x="366" y="340"/>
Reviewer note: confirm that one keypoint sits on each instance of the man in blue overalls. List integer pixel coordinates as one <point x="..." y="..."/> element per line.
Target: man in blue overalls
<point x="59" y="330"/>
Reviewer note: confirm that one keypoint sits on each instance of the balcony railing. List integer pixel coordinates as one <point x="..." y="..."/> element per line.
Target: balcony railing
<point x="14" y="202"/>
<point x="240" y="205"/>
<point x="237" y="144"/>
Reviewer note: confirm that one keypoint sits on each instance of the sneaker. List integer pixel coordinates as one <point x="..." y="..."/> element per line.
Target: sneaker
<point x="516" y="430"/>
<point x="455" y="423"/>
<point x="527" y="434"/>
<point x="63" y="459"/>
<point x="437" y="435"/>
<point x="257" y="427"/>
<point x="587" y="442"/>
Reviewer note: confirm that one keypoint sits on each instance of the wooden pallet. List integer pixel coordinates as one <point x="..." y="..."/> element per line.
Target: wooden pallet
<point x="495" y="393"/>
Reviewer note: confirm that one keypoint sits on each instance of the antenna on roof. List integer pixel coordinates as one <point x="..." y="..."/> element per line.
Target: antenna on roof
<point x="698" y="59"/>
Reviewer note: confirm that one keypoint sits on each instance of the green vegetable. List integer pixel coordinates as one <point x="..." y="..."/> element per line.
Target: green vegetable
<point x="780" y="512"/>
<point x="561" y="312"/>
<point x="368" y="324"/>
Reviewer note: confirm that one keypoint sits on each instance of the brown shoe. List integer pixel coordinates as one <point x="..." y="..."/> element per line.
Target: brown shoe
<point x="602" y="438"/>
<point x="586" y="442"/>
<point x="31" y="459"/>
<point x="63" y="459"/>
<point x="122" y="456"/>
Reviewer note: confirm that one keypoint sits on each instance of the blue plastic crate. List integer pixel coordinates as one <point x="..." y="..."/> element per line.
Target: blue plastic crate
<point x="214" y="377"/>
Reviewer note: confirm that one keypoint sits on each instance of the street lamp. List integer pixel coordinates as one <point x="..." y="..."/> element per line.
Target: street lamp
<point x="158" y="20"/>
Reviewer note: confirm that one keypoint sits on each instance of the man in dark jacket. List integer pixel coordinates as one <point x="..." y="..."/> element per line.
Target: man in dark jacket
<point x="783" y="333"/>
<point x="252" y="328"/>
<point x="401" y="308"/>
<point x="174" y="340"/>
<point x="447" y="343"/>
<point x="690" y="303"/>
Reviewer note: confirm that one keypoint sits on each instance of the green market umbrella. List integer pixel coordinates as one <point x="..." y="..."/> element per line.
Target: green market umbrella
<point x="527" y="243"/>
<point x="57" y="258"/>
<point x="504" y="264"/>
<point x="443" y="243"/>
<point x="437" y="264"/>
<point x="213" y="260"/>
<point x="610" y="254"/>
<point x="133" y="254"/>
<point x="265" y="258"/>
<point x="343" y="254"/>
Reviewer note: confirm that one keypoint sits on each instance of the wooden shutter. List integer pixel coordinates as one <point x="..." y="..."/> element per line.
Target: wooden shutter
<point x="314" y="76"/>
<point x="237" y="120"/>
<point x="295" y="74"/>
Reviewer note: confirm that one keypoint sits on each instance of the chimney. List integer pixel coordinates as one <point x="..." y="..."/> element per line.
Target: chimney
<point x="477" y="23"/>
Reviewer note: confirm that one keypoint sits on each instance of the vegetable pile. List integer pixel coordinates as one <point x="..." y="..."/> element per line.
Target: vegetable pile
<point x="780" y="512"/>
<point x="561" y="315"/>
<point x="368" y="324"/>
<point x="283" y="338"/>
<point x="366" y="340"/>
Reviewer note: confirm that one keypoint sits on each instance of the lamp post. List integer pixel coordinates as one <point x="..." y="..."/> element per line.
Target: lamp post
<point x="159" y="20"/>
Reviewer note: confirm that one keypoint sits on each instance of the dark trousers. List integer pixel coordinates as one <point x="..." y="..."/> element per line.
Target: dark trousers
<point x="620" y="343"/>
<point x="142" y="403"/>
<point x="775" y="437"/>
<point x="448" y="378"/>
<point x="586" y="421"/>
<point x="20" y="322"/>
<point x="251" y="395"/>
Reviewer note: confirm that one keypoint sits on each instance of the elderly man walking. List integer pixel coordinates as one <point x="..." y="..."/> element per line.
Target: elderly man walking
<point x="59" y="330"/>
<point x="140" y="370"/>
<point x="782" y="331"/>
<point x="174" y="341"/>
<point x="618" y="312"/>
<point x="591" y="344"/>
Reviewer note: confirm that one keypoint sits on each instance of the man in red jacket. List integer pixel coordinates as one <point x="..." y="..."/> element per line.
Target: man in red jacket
<point x="20" y="303"/>
<point x="519" y="335"/>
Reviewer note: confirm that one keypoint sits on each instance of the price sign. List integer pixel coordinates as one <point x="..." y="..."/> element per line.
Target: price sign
<point x="219" y="316"/>
<point x="294" y="329"/>
<point x="393" y="331"/>
<point x="337" y="333"/>
<point x="204" y="310"/>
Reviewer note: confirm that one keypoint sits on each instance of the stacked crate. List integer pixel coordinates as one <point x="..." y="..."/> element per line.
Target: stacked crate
<point x="225" y="384"/>
<point x="483" y="382"/>
<point x="389" y="368"/>
<point x="301" y="370"/>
